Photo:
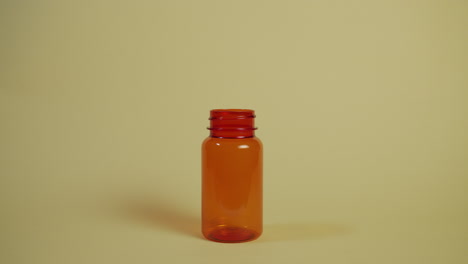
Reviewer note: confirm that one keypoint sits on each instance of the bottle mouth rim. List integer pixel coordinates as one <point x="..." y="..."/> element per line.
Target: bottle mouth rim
<point x="231" y="114"/>
<point x="232" y="128"/>
<point x="233" y="110"/>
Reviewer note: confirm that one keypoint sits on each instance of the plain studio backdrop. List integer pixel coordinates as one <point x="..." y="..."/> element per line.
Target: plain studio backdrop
<point x="361" y="105"/>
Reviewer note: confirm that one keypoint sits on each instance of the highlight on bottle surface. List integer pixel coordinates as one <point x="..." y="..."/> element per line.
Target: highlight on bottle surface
<point x="232" y="171"/>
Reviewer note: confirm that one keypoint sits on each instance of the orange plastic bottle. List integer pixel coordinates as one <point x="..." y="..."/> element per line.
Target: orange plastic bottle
<point x="232" y="178"/>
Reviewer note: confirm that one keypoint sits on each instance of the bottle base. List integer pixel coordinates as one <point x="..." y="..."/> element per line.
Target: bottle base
<point x="231" y="234"/>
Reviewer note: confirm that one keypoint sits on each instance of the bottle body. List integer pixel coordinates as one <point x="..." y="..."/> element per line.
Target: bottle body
<point x="232" y="188"/>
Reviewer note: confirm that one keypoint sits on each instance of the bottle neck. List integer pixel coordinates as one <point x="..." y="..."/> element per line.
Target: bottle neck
<point x="232" y="123"/>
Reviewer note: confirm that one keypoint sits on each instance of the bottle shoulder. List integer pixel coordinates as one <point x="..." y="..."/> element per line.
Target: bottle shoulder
<point x="237" y="142"/>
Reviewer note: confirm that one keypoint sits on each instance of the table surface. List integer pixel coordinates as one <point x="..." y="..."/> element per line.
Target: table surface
<point x="361" y="106"/>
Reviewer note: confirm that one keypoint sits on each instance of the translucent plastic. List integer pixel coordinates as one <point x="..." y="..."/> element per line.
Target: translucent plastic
<point x="232" y="187"/>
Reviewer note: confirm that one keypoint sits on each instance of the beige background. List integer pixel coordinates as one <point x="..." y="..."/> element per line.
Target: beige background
<point x="361" y="105"/>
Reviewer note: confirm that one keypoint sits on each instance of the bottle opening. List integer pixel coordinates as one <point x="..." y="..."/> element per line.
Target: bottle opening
<point x="232" y="123"/>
